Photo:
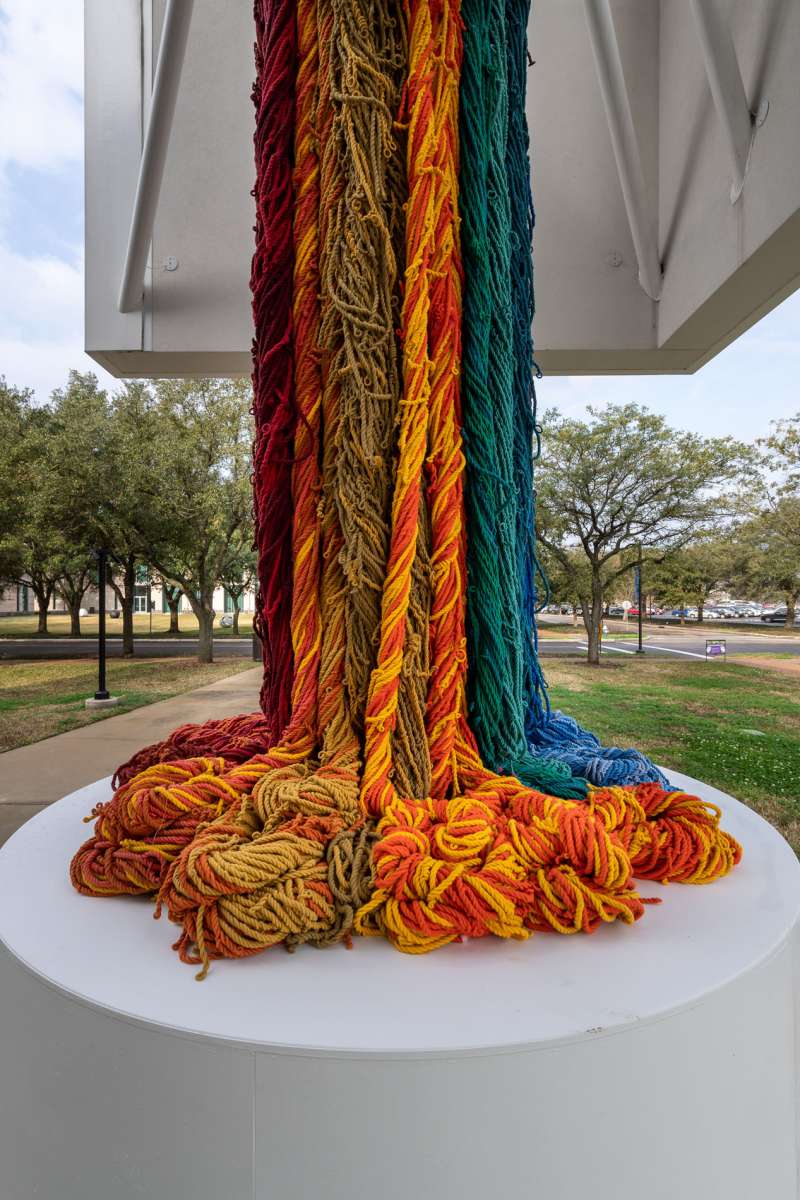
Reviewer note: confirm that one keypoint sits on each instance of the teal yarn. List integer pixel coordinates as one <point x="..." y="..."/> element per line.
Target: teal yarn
<point x="526" y="434"/>
<point x="550" y="735"/>
<point x="510" y="713"/>
<point x="499" y="632"/>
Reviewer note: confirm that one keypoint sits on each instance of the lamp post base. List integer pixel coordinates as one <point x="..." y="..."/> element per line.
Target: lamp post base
<point x="102" y="702"/>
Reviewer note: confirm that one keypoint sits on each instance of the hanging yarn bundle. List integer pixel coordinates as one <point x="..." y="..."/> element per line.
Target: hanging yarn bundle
<point x="400" y="780"/>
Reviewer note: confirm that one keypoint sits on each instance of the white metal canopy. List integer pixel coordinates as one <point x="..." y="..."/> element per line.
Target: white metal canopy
<point x="668" y="206"/>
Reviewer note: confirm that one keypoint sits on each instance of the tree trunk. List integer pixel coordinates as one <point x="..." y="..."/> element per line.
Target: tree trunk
<point x="174" y="607"/>
<point x="700" y="607"/>
<point x="75" y="617"/>
<point x="593" y="620"/>
<point x="126" y="597"/>
<point x="127" y="626"/>
<point x="205" y="621"/>
<point x="791" y="603"/>
<point x="235" y="627"/>
<point x="43" y="596"/>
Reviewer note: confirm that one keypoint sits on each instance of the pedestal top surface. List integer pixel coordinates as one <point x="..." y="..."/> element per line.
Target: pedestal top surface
<point x="484" y="996"/>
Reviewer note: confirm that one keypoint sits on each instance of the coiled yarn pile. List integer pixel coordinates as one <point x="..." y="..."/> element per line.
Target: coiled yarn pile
<point x="404" y="777"/>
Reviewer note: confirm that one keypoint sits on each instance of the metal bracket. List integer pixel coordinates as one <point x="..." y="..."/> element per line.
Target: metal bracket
<point x="166" y="83"/>
<point x="625" y="143"/>
<point x="727" y="89"/>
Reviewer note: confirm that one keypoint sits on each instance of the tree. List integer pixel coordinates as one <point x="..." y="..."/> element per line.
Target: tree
<point x="133" y="491"/>
<point x="779" y="520"/>
<point x="29" y="558"/>
<point x="28" y="544"/>
<point x="47" y="546"/>
<point x="768" y="554"/>
<point x="566" y="578"/>
<point x="691" y="573"/>
<point x="238" y="573"/>
<point x="782" y="453"/>
<point x="76" y="572"/>
<point x="172" y="594"/>
<point x="15" y="415"/>
<point x="620" y="482"/>
<point x="70" y="484"/>
<point x="101" y="453"/>
<point x="114" y="484"/>
<point x="198" y="514"/>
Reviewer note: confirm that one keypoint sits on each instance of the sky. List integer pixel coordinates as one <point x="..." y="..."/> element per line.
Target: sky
<point x="750" y="384"/>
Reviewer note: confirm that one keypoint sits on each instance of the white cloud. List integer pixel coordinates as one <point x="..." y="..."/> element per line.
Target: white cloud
<point x="41" y="83"/>
<point x="41" y="297"/>
<point x="41" y="322"/>
<point x="47" y="367"/>
<point x="41" y="129"/>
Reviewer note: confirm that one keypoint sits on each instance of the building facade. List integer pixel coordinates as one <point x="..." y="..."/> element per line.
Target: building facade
<point x="18" y="599"/>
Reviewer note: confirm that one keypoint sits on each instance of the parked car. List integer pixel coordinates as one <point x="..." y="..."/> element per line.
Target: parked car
<point x="616" y="610"/>
<point x="689" y="614"/>
<point x="776" y="617"/>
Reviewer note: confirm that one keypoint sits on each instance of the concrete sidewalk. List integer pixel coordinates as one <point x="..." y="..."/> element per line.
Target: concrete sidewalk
<point x="34" y="776"/>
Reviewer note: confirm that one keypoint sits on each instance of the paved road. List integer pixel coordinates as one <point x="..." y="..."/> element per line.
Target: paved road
<point x="658" y="643"/>
<point x="744" y="624"/>
<point x="670" y="645"/>
<point x="729" y="625"/>
<point x="227" y="647"/>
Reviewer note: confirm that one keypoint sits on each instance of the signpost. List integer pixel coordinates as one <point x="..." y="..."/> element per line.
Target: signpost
<point x="102" y="690"/>
<point x="638" y="586"/>
<point x="101" y="698"/>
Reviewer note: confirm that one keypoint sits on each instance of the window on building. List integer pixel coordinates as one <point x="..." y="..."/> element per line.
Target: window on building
<point x="141" y="598"/>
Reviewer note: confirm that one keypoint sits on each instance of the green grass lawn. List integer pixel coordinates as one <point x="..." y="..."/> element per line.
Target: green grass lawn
<point x="38" y="699"/>
<point x="736" y="727"/>
<point x="58" y="625"/>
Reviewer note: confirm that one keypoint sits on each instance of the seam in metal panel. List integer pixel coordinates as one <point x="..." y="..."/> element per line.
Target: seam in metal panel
<point x="147" y="26"/>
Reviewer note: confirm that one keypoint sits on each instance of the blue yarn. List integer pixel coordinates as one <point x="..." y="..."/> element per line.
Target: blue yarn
<point x="563" y="739"/>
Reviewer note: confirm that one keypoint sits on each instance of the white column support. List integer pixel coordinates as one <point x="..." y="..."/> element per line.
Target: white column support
<point x="624" y="141"/>
<point x="166" y="83"/>
<point x="727" y="89"/>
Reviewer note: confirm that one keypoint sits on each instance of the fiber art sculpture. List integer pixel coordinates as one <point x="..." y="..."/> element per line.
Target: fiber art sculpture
<point x="406" y="776"/>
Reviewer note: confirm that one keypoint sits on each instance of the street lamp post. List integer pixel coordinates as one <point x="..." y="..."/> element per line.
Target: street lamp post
<point x="640" y="647"/>
<point x="102" y="690"/>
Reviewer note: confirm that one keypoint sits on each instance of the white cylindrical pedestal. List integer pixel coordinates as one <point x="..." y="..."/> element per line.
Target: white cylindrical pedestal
<point x="656" y="1060"/>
